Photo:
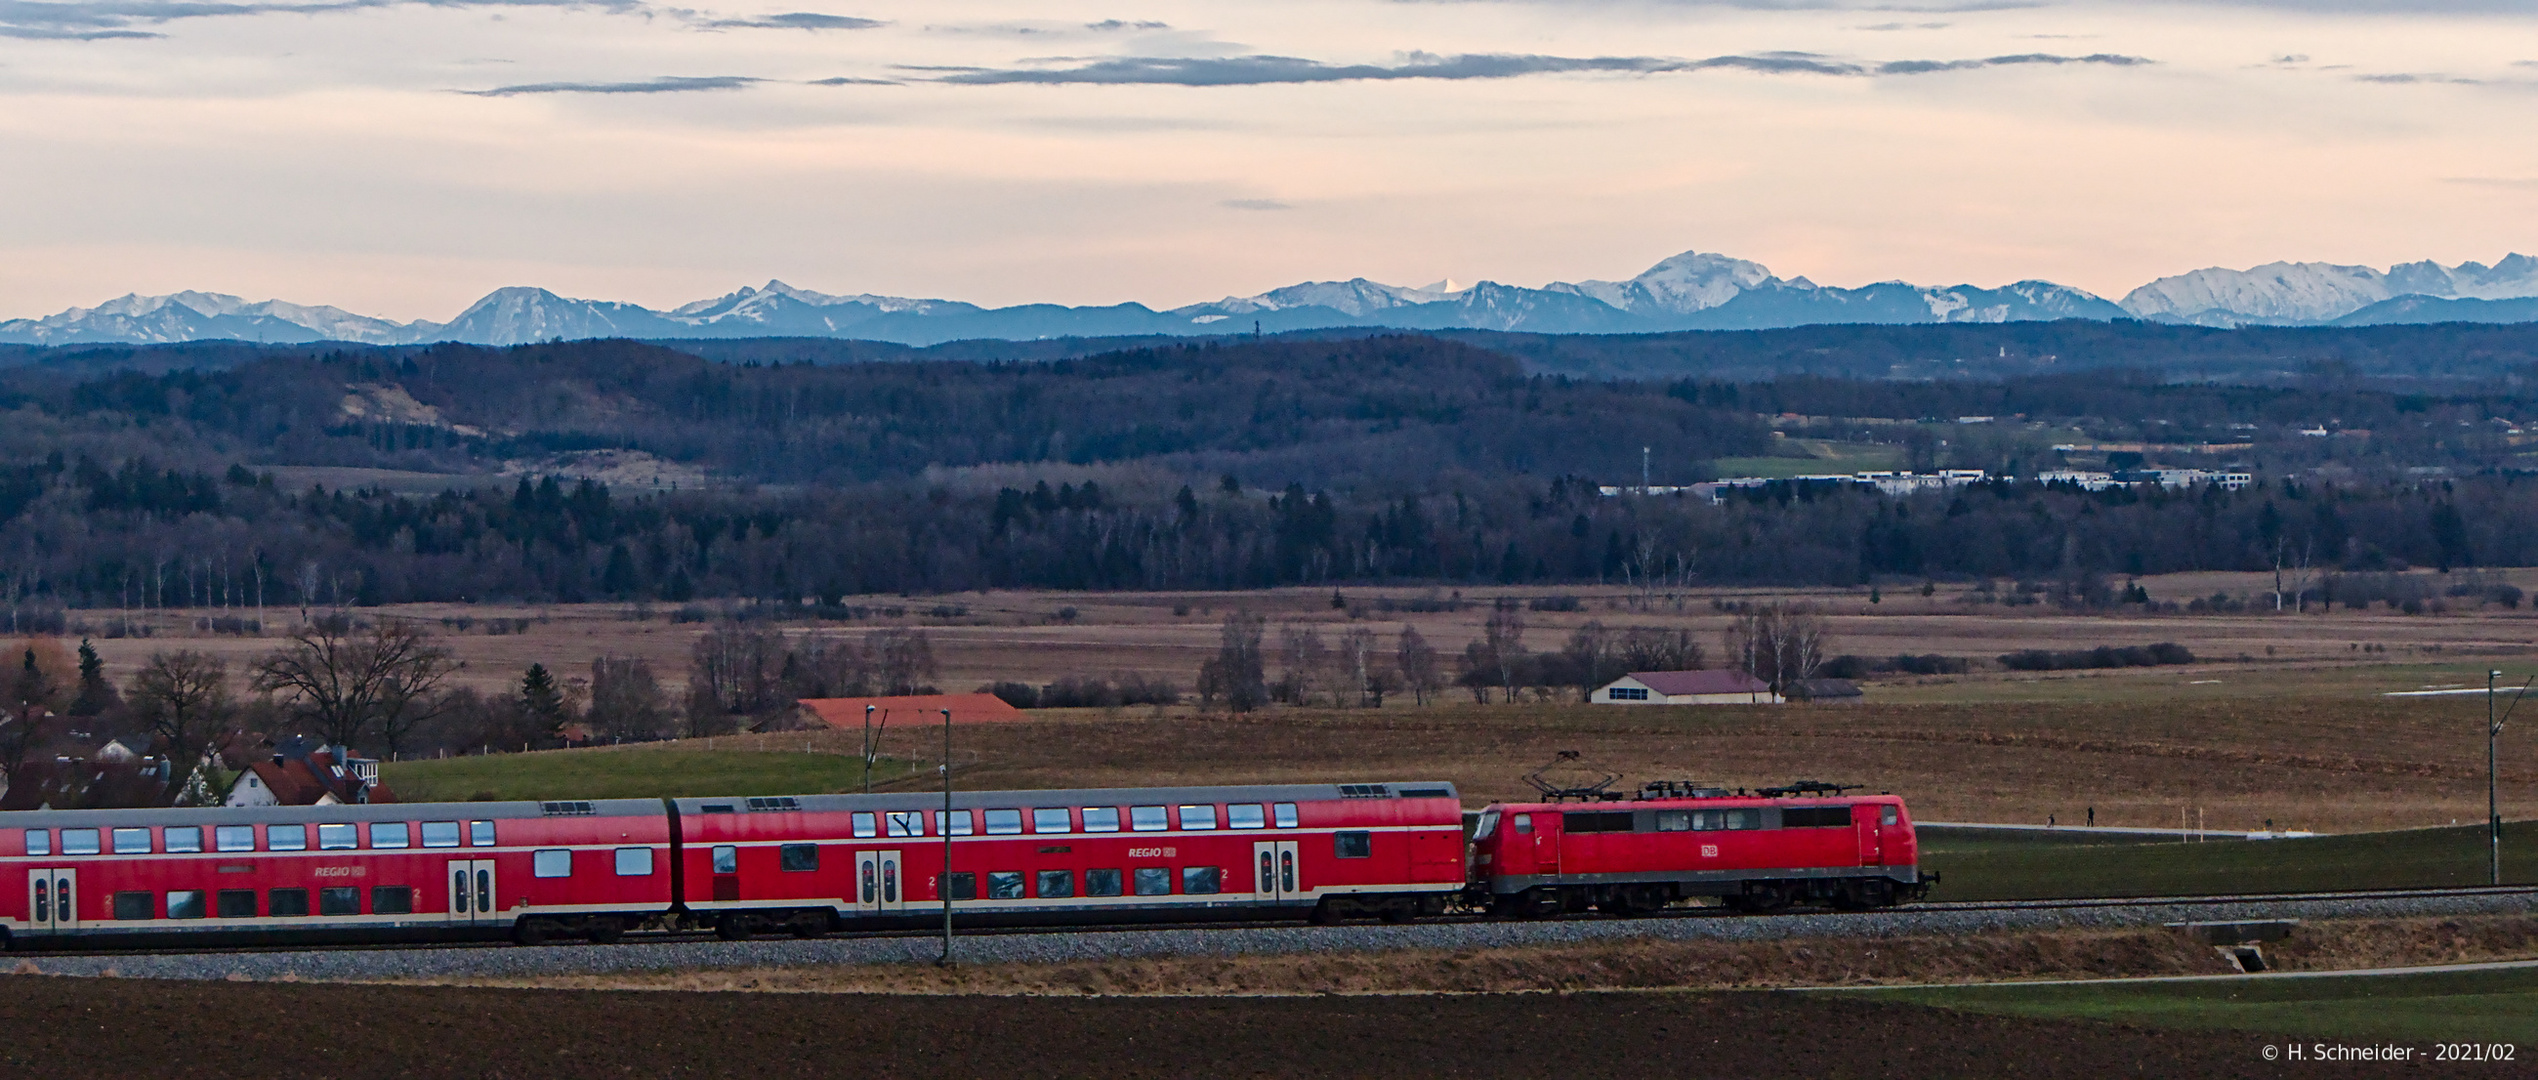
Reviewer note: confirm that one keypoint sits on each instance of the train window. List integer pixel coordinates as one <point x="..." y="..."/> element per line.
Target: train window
<point x="1004" y="822"/>
<point x="1815" y="817"/>
<point x="1057" y="884"/>
<point x="964" y="885"/>
<point x="286" y="838"/>
<point x="1353" y="845"/>
<point x="183" y="838"/>
<point x="1147" y="819"/>
<point x="336" y="838"/>
<point x="864" y="826"/>
<point x="552" y="862"/>
<point x="1201" y="816"/>
<point x="343" y="900"/>
<point x="1154" y="881"/>
<point x="234" y="903"/>
<point x="135" y="906"/>
<point x="1748" y="818"/>
<point x="1052" y="819"/>
<point x="132" y="841"/>
<point x="726" y="860"/>
<point x="1674" y="821"/>
<point x="388" y="834"/>
<point x="1101" y="819"/>
<point x="185" y="904"/>
<point x="1524" y="823"/>
<point x="234" y="837"/>
<point x="287" y="903"/>
<point x="1245" y="816"/>
<point x="391" y="900"/>
<point x="1888" y="815"/>
<point x="1202" y="880"/>
<point x="962" y="823"/>
<point x="1596" y="821"/>
<point x="903" y="823"/>
<point x="1285" y="814"/>
<point x="1487" y="827"/>
<point x="1101" y="882"/>
<point x="799" y="856"/>
<point x="39" y="841"/>
<point x="1004" y="885"/>
<point x="79" y="841"/>
<point x="480" y="834"/>
<point x="634" y="862"/>
<point x="440" y="834"/>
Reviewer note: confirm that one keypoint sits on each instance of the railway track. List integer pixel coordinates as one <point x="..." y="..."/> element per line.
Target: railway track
<point x="1806" y="921"/>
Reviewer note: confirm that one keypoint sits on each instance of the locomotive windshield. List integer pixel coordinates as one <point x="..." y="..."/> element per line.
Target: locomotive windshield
<point x="1488" y="825"/>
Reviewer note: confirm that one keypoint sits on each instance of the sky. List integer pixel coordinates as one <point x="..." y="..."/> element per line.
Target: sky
<point x="404" y="158"/>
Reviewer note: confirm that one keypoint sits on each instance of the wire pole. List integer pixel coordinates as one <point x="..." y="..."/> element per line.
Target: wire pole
<point x="867" y="749"/>
<point x="2493" y="807"/>
<point x="946" y="830"/>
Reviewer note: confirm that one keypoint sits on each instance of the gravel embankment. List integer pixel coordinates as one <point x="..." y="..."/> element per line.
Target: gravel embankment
<point x="636" y="954"/>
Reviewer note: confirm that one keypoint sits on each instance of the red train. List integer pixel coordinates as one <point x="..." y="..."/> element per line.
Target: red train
<point x="806" y="864"/>
<point x="811" y="864"/>
<point x="1806" y="844"/>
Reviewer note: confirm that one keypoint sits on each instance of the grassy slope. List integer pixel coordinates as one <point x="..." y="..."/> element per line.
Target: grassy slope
<point x="1976" y="867"/>
<point x="2479" y="1006"/>
<point x="640" y="773"/>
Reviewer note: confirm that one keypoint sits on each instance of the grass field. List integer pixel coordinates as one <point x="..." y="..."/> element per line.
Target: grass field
<point x="631" y="773"/>
<point x="1975" y="867"/>
<point x="1823" y="458"/>
<point x="2472" y="1006"/>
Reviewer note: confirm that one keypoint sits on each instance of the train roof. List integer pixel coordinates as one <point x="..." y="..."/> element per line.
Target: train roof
<point x="283" y="815"/>
<point x="971" y="800"/>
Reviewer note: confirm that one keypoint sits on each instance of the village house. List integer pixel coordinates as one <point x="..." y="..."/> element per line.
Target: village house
<point x="1686" y="688"/>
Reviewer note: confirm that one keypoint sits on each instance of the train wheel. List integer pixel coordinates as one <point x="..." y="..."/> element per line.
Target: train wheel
<point x="533" y="932"/>
<point x="605" y="931"/>
<point x="732" y="927"/>
<point x="1765" y="898"/>
<point x="812" y="925"/>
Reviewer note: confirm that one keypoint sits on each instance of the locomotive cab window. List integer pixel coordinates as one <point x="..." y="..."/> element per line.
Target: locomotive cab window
<point x="1524" y="824"/>
<point x="1004" y="822"/>
<point x="1101" y="819"/>
<point x="1101" y="882"/>
<point x="1888" y="815"/>
<point x="184" y="838"/>
<point x="1245" y="816"/>
<point x="1284" y="814"/>
<point x="1487" y="827"/>
<point x="286" y="838"/>
<point x="552" y="862"/>
<point x="39" y="842"/>
<point x="1052" y="819"/>
<point x="132" y="841"/>
<point x="440" y="834"/>
<point x="1353" y="845"/>
<point x="1147" y="819"/>
<point x="800" y="856"/>
<point x="234" y="837"/>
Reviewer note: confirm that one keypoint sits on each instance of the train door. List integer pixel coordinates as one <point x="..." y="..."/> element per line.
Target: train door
<point x="1872" y="848"/>
<point x="1275" y="865"/>
<point x="471" y="891"/>
<point x="879" y="883"/>
<point x="52" y="899"/>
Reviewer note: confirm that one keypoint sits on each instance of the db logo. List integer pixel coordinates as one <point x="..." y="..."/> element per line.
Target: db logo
<point x="1709" y="851"/>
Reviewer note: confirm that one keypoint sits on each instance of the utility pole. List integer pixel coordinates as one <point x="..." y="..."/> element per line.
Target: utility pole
<point x="867" y="749"/>
<point x="1643" y="469"/>
<point x="946" y="830"/>
<point x="2493" y="805"/>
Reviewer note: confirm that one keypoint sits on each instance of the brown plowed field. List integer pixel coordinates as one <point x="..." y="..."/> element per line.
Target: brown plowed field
<point x="70" y="1028"/>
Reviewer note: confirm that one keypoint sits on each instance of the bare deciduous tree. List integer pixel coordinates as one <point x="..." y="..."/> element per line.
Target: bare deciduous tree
<point x="345" y="682"/>
<point x="1418" y="663"/>
<point x="1236" y="673"/>
<point x="183" y="698"/>
<point x="1780" y="644"/>
<point x="626" y="702"/>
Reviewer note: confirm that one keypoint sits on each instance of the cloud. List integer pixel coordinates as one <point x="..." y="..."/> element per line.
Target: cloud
<point x="843" y="80"/>
<point x="1260" y="70"/>
<point x="2407" y="79"/>
<point x="1255" y="204"/>
<point x="793" y="20"/>
<point x="1908" y="26"/>
<point x="667" y="84"/>
<point x="97" y="20"/>
<point x="1108" y="25"/>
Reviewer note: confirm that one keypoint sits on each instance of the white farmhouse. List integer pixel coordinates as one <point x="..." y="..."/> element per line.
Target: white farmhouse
<point x="1686" y="688"/>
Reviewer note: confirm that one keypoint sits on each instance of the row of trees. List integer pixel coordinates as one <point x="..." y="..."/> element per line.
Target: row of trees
<point x="1781" y="644"/>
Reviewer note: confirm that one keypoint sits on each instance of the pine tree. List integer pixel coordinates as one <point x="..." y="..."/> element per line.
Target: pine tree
<point x="542" y="699"/>
<point x="96" y="695"/>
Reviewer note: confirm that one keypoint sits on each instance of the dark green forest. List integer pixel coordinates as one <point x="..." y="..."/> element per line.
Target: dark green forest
<point x="1225" y="464"/>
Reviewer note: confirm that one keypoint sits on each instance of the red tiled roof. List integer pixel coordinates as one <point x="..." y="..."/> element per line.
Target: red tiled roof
<point x="1686" y="683"/>
<point x="848" y="712"/>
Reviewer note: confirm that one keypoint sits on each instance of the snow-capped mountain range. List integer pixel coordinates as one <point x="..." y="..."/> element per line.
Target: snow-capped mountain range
<point x="1690" y="291"/>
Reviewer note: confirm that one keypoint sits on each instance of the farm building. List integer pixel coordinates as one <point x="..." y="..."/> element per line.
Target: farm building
<point x="1686" y="688"/>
